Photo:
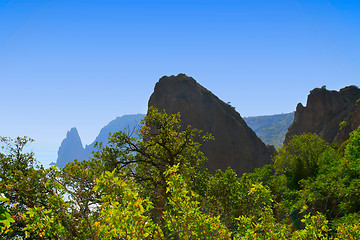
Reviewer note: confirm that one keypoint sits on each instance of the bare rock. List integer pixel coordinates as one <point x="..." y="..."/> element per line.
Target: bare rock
<point x="330" y="114"/>
<point x="235" y="144"/>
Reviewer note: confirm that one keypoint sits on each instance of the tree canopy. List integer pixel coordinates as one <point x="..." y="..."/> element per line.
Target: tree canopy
<point x="157" y="188"/>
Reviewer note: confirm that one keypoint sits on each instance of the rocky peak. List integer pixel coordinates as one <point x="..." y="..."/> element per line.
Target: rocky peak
<point x="235" y="144"/>
<point x="71" y="148"/>
<point x="330" y="114"/>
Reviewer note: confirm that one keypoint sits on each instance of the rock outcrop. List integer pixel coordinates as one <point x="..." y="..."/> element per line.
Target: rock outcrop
<point x="235" y="144"/>
<point x="71" y="148"/>
<point x="330" y="114"/>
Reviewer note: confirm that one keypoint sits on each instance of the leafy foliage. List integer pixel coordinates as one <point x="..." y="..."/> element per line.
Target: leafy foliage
<point x="164" y="145"/>
<point x="5" y="217"/>
<point x="352" y="151"/>
<point x="156" y="188"/>
<point x="301" y="157"/>
<point x="22" y="182"/>
<point x="184" y="218"/>
<point x="123" y="213"/>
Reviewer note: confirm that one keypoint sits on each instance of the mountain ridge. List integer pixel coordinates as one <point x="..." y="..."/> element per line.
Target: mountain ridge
<point x="128" y="122"/>
<point x="271" y="129"/>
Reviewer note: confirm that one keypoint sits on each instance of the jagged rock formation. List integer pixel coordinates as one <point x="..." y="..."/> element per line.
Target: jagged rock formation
<point x="271" y="129"/>
<point x="71" y="148"/>
<point x="235" y="144"/>
<point x="330" y="114"/>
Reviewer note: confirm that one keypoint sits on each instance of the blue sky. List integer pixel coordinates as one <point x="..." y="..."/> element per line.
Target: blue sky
<point x="81" y="63"/>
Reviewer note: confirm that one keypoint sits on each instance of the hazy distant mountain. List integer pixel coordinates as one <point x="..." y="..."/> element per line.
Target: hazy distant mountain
<point x="126" y="123"/>
<point x="71" y="147"/>
<point x="271" y="129"/>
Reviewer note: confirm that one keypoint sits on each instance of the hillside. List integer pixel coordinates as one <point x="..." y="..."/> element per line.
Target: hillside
<point x="271" y="129"/>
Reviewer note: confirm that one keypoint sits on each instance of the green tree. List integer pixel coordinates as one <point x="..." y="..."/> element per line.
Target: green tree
<point x="183" y="217"/>
<point x="72" y="203"/>
<point x="348" y="227"/>
<point x="155" y="188"/>
<point x="22" y="182"/>
<point x="352" y="151"/>
<point x="301" y="157"/>
<point x="335" y="190"/>
<point x="76" y="203"/>
<point x="123" y="213"/>
<point x="164" y="144"/>
<point x="223" y="196"/>
<point x="5" y="217"/>
<point x="261" y="223"/>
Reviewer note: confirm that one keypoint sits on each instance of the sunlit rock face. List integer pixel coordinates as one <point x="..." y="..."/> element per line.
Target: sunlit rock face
<point x="330" y="114"/>
<point x="235" y="144"/>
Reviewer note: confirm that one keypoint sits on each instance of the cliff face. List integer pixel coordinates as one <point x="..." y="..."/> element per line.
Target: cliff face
<point x="71" y="148"/>
<point x="235" y="144"/>
<point x="325" y="111"/>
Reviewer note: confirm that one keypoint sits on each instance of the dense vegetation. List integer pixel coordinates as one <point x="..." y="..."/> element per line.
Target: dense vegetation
<point x="156" y="188"/>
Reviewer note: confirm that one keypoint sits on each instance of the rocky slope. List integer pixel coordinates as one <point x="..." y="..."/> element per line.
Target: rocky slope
<point x="235" y="144"/>
<point x="330" y="114"/>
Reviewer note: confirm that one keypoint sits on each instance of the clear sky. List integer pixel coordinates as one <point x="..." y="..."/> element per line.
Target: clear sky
<point x="81" y="63"/>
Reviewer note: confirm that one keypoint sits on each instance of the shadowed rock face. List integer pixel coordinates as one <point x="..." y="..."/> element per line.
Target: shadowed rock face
<point x="324" y="112"/>
<point x="235" y="144"/>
